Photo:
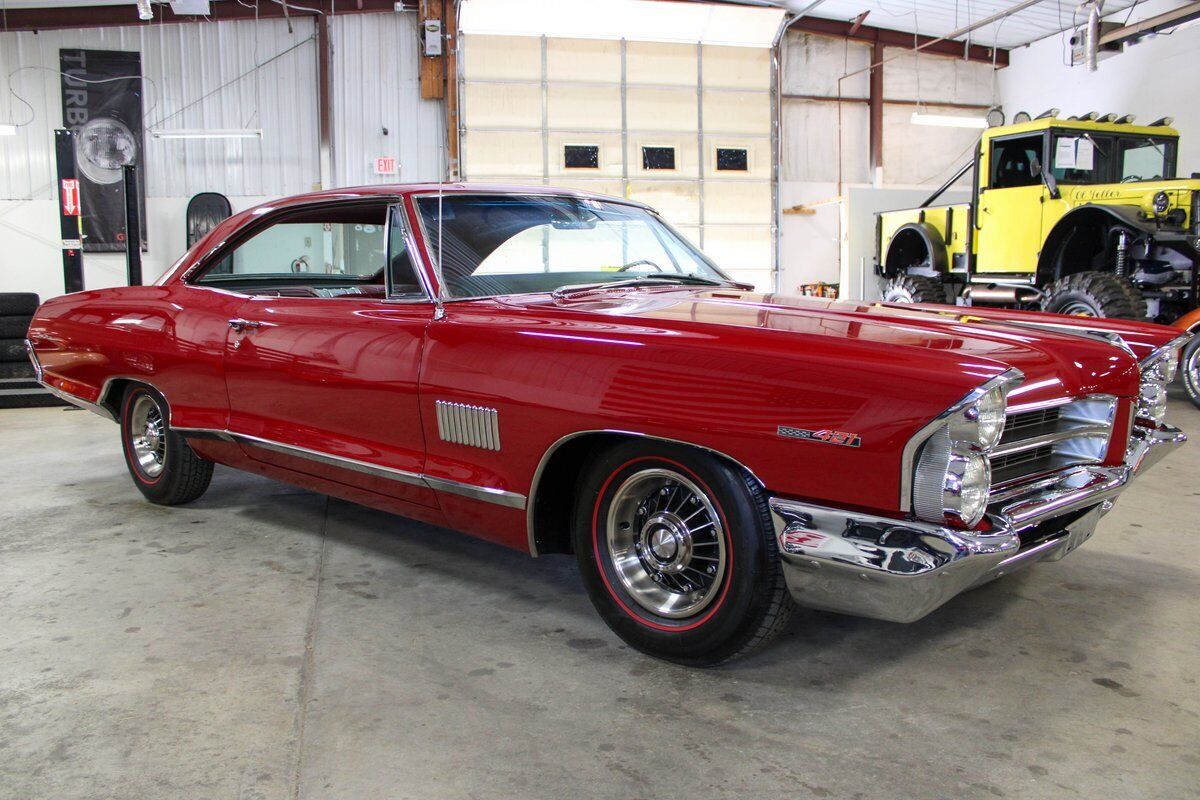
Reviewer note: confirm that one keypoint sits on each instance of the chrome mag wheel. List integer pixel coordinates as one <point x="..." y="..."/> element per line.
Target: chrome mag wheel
<point x="148" y="436"/>
<point x="666" y="543"/>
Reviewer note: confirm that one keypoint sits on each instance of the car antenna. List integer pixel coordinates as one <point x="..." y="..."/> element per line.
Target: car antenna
<point x="439" y="310"/>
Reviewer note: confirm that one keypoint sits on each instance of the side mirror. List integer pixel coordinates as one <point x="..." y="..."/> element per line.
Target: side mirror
<point x="1037" y="168"/>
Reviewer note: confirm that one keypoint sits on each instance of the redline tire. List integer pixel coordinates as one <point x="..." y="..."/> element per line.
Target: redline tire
<point x="178" y="474"/>
<point x="1189" y="369"/>
<point x="747" y="603"/>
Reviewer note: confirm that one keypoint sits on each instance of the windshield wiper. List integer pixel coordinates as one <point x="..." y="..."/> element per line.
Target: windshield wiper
<point x="642" y="280"/>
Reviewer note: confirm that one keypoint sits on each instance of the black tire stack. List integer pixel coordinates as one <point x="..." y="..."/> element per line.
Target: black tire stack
<point x="18" y="383"/>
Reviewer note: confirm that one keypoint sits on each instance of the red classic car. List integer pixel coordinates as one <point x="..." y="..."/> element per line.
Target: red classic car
<point x="562" y="372"/>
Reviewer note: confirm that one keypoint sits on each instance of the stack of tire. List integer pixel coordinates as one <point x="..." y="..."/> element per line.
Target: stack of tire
<point x="18" y="385"/>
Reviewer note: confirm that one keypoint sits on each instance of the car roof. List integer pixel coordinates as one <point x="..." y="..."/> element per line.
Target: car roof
<point x="410" y="189"/>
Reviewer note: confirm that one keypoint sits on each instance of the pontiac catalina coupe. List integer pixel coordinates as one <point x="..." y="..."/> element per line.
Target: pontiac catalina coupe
<point x="562" y="372"/>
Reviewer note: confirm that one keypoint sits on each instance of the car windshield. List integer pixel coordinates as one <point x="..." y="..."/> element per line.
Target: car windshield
<point x="500" y="244"/>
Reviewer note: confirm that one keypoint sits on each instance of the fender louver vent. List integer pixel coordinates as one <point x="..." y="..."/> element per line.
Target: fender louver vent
<point x="474" y="426"/>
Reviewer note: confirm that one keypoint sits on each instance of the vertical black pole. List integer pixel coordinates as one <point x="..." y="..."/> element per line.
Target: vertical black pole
<point x="133" y="228"/>
<point x="69" y="212"/>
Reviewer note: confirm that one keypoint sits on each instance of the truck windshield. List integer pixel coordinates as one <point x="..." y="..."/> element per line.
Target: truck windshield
<point x="1146" y="159"/>
<point x="497" y="244"/>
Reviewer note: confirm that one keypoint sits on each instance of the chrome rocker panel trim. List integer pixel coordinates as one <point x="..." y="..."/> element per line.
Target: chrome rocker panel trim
<point x="901" y="570"/>
<point x="487" y="494"/>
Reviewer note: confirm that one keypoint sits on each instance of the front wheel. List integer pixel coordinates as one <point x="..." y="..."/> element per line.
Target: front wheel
<point x="1094" y="294"/>
<point x="1189" y="368"/>
<point x="164" y="467"/>
<point x="678" y="554"/>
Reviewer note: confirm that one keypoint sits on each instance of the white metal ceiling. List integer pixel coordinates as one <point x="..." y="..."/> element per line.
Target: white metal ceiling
<point x="940" y="17"/>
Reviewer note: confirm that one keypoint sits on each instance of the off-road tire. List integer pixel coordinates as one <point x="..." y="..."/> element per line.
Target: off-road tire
<point x="184" y="476"/>
<point x="913" y="289"/>
<point x="1189" y="369"/>
<point x="751" y="602"/>
<point x="18" y="304"/>
<point x="1096" y="294"/>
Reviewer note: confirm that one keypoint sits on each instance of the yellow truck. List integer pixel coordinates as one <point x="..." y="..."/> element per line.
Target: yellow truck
<point x="1083" y="215"/>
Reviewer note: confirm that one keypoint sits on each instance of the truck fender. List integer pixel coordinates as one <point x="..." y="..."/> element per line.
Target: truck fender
<point x="1090" y="213"/>
<point x="909" y="238"/>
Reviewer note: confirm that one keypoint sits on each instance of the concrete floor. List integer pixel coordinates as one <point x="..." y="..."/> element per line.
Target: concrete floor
<point x="266" y="642"/>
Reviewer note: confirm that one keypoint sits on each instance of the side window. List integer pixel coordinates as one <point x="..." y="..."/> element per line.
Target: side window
<point x="1013" y="160"/>
<point x="402" y="274"/>
<point x="327" y="247"/>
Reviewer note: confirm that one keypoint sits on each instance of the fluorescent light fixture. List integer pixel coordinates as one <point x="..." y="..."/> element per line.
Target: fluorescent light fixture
<point x="145" y="13"/>
<point x="207" y="133"/>
<point x="947" y="121"/>
<point x="7" y="129"/>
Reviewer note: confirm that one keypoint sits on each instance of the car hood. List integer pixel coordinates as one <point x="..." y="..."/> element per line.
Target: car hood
<point x="1061" y="361"/>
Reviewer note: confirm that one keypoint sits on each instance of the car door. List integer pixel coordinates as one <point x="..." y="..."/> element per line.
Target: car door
<point x="324" y="381"/>
<point x="1010" y="207"/>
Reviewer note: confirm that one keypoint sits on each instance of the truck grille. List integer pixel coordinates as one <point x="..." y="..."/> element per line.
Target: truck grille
<point x="1050" y="438"/>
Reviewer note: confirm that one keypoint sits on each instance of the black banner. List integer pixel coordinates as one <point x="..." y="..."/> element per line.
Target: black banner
<point x="102" y="106"/>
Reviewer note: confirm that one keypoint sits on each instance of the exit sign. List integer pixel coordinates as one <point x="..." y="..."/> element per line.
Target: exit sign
<point x="386" y="165"/>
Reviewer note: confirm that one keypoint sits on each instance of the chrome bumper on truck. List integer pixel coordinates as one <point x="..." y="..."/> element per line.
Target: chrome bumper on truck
<point x="901" y="570"/>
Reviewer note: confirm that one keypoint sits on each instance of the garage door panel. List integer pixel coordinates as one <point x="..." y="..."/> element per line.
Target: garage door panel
<point x="496" y="105"/>
<point x="596" y="60"/>
<point x="736" y="202"/>
<point x="678" y="201"/>
<point x="584" y="107"/>
<point x="598" y="185"/>
<point x="501" y="58"/>
<point x="736" y="67"/>
<point x="739" y="247"/>
<point x="661" y="63"/>
<point x="496" y="153"/>
<point x="660" y="109"/>
<point x="737" y="112"/>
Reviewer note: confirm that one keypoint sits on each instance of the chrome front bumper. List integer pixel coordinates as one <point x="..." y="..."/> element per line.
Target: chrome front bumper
<point x="901" y="570"/>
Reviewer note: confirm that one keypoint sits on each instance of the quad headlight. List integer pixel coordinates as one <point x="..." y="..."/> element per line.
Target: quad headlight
<point x="1158" y="370"/>
<point x="953" y="477"/>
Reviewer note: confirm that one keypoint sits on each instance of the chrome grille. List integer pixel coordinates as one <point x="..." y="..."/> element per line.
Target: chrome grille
<point x="1052" y="437"/>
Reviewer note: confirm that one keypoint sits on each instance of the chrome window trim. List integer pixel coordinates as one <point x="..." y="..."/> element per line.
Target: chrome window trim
<point x="487" y="494"/>
<point x="550" y="451"/>
<point x="395" y="215"/>
<point x="1010" y="377"/>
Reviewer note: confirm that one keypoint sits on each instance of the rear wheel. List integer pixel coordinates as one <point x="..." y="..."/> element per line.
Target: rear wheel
<point x="1189" y="369"/>
<point x="678" y="554"/>
<point x="1094" y="294"/>
<point x="913" y="289"/>
<point x="164" y="467"/>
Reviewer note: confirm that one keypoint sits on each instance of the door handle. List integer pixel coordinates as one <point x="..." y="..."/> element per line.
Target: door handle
<point x="240" y="324"/>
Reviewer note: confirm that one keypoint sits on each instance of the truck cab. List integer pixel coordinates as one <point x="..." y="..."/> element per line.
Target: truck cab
<point x="1084" y="215"/>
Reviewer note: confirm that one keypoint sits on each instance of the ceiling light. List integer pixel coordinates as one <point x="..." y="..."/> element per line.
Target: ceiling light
<point x="946" y="121"/>
<point x="145" y="13"/>
<point x="207" y="133"/>
<point x="7" y="130"/>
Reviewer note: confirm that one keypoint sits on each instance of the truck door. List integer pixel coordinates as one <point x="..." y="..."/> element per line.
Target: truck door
<point x="1011" y="197"/>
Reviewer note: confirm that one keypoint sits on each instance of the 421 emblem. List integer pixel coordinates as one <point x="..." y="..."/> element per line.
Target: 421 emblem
<point x="825" y="436"/>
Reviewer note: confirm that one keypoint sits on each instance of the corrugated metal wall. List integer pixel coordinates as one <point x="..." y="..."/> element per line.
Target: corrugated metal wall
<point x="525" y="98"/>
<point x="376" y="86"/>
<point x="183" y="64"/>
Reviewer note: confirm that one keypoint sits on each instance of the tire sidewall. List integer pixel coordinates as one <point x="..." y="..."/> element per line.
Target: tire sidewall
<point x="1191" y="352"/>
<point x="716" y="629"/>
<point x="151" y="487"/>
